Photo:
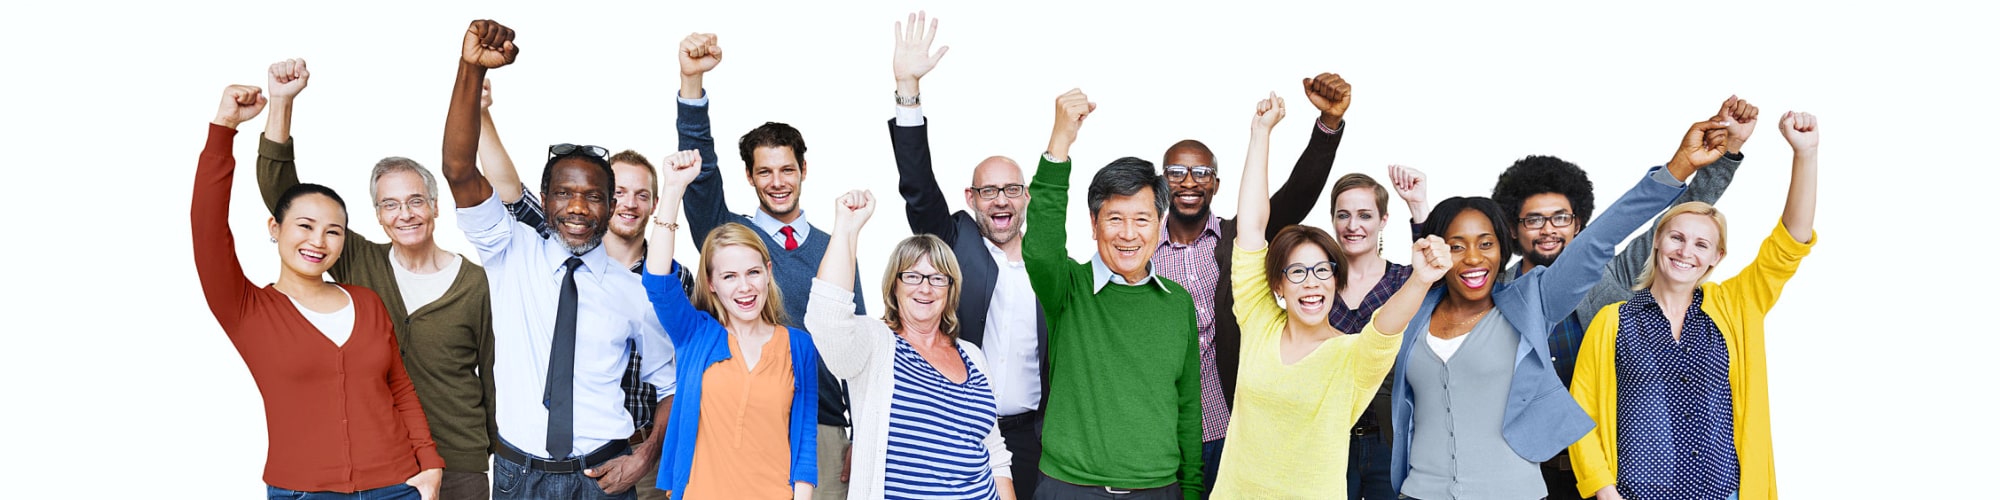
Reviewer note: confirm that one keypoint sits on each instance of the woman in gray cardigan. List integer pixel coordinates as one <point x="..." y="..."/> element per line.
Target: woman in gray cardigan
<point x="1477" y="405"/>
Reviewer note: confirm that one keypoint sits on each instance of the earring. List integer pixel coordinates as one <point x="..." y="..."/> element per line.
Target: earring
<point x="274" y="239"/>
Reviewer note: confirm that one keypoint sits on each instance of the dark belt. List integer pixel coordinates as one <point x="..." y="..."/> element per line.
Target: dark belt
<point x="1366" y="430"/>
<point x="603" y="454"/>
<point x="1559" y="462"/>
<point x="1020" y="419"/>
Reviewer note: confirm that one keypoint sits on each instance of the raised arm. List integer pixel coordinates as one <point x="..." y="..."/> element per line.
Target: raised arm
<point x="493" y="158"/>
<point x="1414" y="188"/>
<point x="276" y="167"/>
<point x="847" y="341"/>
<point x="487" y="45"/>
<point x="1430" y="258"/>
<point x="1253" y="210"/>
<point x="221" y="274"/>
<point x="1801" y="129"/>
<point x="670" y="302"/>
<point x="704" y="203"/>
<point x="923" y="201"/>
<point x="1294" y="200"/>
<point x="1045" y="250"/>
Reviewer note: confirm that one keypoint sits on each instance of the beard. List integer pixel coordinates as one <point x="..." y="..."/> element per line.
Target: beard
<point x="598" y="229"/>
<point x="1541" y="259"/>
<point x="585" y="247"/>
<point x="1002" y="237"/>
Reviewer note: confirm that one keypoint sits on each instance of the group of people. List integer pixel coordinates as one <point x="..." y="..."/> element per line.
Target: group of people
<point x="1191" y="356"/>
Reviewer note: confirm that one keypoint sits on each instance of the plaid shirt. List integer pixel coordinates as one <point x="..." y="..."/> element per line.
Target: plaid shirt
<point x="1350" y="321"/>
<point x="1193" y="266"/>
<point x="641" y="398"/>
<point x="1564" y="340"/>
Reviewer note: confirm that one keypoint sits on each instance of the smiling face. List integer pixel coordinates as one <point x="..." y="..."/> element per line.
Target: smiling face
<point x="1475" y="256"/>
<point x="999" y="218"/>
<point x="632" y="198"/>
<point x="776" y="175"/>
<point x="921" y="303"/>
<point x="1687" y="248"/>
<point x="1308" y="300"/>
<point x="578" y="203"/>
<point x="740" y="280"/>
<point x="1191" y="196"/>
<point x="1542" y="245"/>
<point x="310" y="233"/>
<point x="1357" y="220"/>
<point x="411" y="224"/>
<point x="1127" y="231"/>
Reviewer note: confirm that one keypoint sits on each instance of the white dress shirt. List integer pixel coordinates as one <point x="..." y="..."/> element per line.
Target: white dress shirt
<point x="1010" y="338"/>
<point x="525" y="274"/>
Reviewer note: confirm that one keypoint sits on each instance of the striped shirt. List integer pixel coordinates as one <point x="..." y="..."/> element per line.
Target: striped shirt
<point x="1194" y="267"/>
<point x="936" y="431"/>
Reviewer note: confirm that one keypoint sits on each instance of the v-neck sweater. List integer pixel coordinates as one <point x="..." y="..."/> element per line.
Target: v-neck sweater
<point x="340" y="418"/>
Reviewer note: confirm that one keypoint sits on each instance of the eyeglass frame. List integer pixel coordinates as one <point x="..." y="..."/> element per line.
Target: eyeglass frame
<point x="1015" y="190"/>
<point x="567" y="149"/>
<point x="1311" y="270"/>
<point x="414" y="202"/>
<point x="1537" y="221"/>
<point x="922" y="278"/>
<point x="1195" y="170"/>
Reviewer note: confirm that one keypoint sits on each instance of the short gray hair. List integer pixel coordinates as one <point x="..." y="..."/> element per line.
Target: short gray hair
<point x="1124" y="177"/>
<point x="400" y="164"/>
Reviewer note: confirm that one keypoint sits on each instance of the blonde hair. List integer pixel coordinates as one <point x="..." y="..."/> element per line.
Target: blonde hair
<point x="905" y="256"/>
<point x="1647" y="274"/>
<point x="728" y="235"/>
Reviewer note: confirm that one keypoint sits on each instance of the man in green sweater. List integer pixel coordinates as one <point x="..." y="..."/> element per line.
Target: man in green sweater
<point x="1124" y="410"/>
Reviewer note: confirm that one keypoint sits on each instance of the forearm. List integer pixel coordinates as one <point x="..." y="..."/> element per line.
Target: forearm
<point x="1253" y="209"/>
<point x="461" y="139"/>
<point x="1802" y="199"/>
<point x="650" y="449"/>
<point x="660" y="242"/>
<point x="276" y="170"/>
<point x="691" y="86"/>
<point x="278" y="124"/>
<point x="837" y="267"/>
<point x="1396" y="313"/>
<point x="498" y="166"/>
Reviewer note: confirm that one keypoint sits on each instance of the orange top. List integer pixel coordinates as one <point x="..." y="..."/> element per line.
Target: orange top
<point x="743" y="448"/>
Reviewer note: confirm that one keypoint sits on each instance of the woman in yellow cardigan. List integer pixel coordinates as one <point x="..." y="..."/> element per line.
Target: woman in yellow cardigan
<point x="1675" y="377"/>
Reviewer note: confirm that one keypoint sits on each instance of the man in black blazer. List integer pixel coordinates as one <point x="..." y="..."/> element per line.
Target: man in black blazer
<point x="997" y="309"/>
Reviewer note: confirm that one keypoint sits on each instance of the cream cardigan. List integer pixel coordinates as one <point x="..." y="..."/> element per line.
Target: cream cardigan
<point x="862" y="351"/>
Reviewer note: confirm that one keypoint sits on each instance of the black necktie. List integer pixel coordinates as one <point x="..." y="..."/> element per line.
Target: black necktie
<point x="556" y="395"/>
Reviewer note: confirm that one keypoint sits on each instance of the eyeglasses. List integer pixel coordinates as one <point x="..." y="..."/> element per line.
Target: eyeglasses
<point x="913" y="278"/>
<point x="566" y="149"/>
<point x="1201" y="173"/>
<point x="1536" y="221"/>
<point x="414" y="203"/>
<point x="991" y="192"/>
<point x="1296" y="273"/>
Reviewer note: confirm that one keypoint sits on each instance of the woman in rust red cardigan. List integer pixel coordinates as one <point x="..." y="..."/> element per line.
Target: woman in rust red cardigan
<point x="341" y="413"/>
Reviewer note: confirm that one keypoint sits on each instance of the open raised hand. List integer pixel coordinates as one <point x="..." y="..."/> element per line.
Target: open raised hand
<point x="240" y="103"/>
<point x="287" y="78"/>
<point x="489" y="45"/>
<point x="914" y="58"/>
<point x="1331" y="94"/>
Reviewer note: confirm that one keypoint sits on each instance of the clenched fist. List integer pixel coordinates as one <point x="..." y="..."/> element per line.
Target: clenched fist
<point x="240" y="103"/>
<point x="287" y="78"/>
<point x="489" y="45"/>
<point x="1071" y="108"/>
<point x="1331" y="94"/>
<point x="1430" y="258"/>
<point x="699" y="53"/>
<point x="1269" y="111"/>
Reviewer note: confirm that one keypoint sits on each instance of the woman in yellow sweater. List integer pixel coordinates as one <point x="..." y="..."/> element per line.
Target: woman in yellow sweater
<point x="1302" y="382"/>
<point x="1675" y="377"/>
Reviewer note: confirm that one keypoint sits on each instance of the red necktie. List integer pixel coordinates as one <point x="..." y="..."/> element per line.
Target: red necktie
<point x="790" y="242"/>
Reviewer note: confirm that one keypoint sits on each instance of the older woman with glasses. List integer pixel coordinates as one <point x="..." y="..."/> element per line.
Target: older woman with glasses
<point x="926" y="424"/>
<point x="1675" y="377"/>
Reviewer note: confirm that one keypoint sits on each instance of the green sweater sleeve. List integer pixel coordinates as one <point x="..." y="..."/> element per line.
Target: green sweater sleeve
<point x="1043" y="249"/>
<point x="1189" y="385"/>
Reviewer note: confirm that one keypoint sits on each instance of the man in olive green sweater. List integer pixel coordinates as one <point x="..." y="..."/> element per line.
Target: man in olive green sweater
<point x="438" y="300"/>
<point x="1124" y="410"/>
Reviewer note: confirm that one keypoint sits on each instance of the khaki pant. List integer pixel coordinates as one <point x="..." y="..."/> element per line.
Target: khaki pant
<point x="833" y="445"/>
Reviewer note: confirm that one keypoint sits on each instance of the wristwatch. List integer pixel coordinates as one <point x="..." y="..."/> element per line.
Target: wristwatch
<point x="909" y="101"/>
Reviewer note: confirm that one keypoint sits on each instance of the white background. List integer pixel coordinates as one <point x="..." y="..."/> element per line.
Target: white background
<point x="119" y="382"/>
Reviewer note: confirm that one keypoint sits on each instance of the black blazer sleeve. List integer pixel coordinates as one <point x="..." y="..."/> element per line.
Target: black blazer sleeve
<point x="1295" y="199"/>
<point x="923" y="201"/>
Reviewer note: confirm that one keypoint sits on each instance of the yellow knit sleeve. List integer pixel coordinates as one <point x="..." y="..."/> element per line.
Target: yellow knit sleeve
<point x="1756" y="289"/>
<point x="1594" y="384"/>
<point x="1257" y="312"/>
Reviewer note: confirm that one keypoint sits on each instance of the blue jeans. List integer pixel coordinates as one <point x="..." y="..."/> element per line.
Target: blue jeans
<point x="1211" y="459"/>
<point x="390" y="492"/>
<point x="1368" y="468"/>
<point x="517" y="481"/>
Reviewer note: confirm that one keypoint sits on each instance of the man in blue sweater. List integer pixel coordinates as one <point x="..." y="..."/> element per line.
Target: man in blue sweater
<point x="774" y="160"/>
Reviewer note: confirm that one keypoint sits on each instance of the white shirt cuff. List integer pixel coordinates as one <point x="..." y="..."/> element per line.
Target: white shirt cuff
<point x="909" y="116"/>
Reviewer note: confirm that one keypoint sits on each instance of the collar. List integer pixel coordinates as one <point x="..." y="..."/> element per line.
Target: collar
<point x="999" y="256"/>
<point x="639" y="266"/>
<point x="770" y="225"/>
<point x="1644" y="298"/>
<point x="1101" y="275"/>
<point x="1212" y="229"/>
<point x="595" y="261"/>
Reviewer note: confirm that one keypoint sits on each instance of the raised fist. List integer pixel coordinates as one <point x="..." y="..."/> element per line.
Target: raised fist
<point x="1269" y="111"/>
<point x="287" y="78"/>
<point x="1699" y="147"/>
<point x="1430" y="258"/>
<point x="240" y="103"/>
<point x="681" y="168"/>
<point x="699" y="53"/>
<point x="1802" y="130"/>
<point x="1410" y="183"/>
<point x="485" y="94"/>
<point x="489" y="45"/>
<point x="1331" y="94"/>
<point x="1071" y="108"/>
<point x="851" y="210"/>
<point x="1739" y="119"/>
<point x="913" y="48"/>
